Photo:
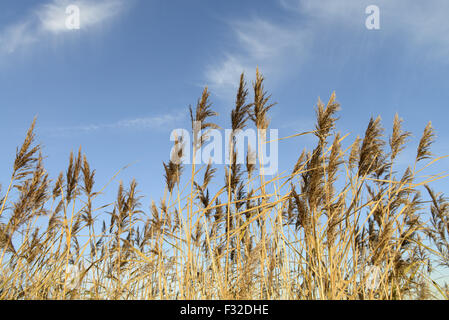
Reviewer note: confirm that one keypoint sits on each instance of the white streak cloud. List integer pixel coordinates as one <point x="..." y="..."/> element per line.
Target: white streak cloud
<point x="49" y="20"/>
<point x="263" y="44"/>
<point x="283" y="46"/>
<point x="422" y="26"/>
<point x="143" y="123"/>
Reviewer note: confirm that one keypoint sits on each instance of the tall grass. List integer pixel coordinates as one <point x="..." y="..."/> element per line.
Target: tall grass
<point x="342" y="224"/>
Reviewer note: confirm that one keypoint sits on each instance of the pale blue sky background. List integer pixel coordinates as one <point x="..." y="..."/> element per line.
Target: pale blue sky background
<point x="121" y="83"/>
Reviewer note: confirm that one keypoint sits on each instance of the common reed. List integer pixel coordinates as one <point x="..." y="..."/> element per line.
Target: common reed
<point x="342" y="224"/>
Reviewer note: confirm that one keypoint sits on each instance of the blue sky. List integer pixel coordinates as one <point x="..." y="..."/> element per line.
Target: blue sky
<point x="123" y="81"/>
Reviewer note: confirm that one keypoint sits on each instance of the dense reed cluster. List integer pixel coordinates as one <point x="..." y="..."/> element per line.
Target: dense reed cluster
<point x="342" y="224"/>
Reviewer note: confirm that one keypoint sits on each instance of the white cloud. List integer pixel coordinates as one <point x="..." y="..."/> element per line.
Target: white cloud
<point x="422" y="26"/>
<point x="226" y="73"/>
<point x="427" y="26"/>
<point x="282" y="47"/>
<point x="16" y="36"/>
<point x="148" y="122"/>
<point x="53" y="15"/>
<point x="142" y="123"/>
<point x="50" y="19"/>
<point x="263" y="44"/>
<point x="327" y="9"/>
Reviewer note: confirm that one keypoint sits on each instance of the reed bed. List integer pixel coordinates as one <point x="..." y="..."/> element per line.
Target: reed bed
<point x="341" y="224"/>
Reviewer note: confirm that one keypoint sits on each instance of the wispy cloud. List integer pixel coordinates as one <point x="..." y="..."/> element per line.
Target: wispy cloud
<point x="49" y="20"/>
<point x="224" y="74"/>
<point x="329" y="10"/>
<point x="262" y="43"/>
<point x="282" y="47"/>
<point x="422" y="26"/>
<point x="15" y="36"/>
<point x="149" y="122"/>
<point x="143" y="123"/>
